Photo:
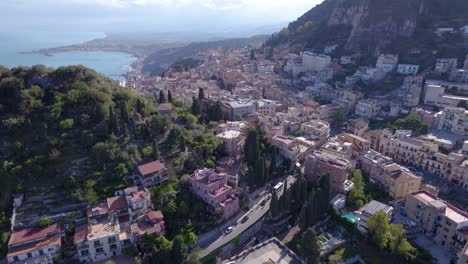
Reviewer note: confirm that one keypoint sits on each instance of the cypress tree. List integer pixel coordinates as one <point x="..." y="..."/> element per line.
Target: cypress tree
<point x="125" y="132"/>
<point x="139" y="106"/>
<point x="156" y="154"/>
<point x="183" y="146"/>
<point x="272" y="168"/>
<point x="179" y="251"/>
<point x="169" y="96"/>
<point x="251" y="150"/>
<point x="274" y="205"/>
<point x="260" y="172"/>
<point x="201" y="94"/>
<point x="196" y="107"/>
<point x="123" y="112"/>
<point x="162" y="97"/>
<point x="310" y="247"/>
<point x="303" y="216"/>
<point x="113" y="122"/>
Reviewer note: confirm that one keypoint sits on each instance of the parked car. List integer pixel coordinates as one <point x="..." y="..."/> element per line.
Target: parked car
<point x="263" y="202"/>
<point x="228" y="230"/>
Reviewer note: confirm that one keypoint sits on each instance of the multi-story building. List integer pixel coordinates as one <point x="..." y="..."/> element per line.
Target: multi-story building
<point x="368" y="210"/>
<point x="459" y="75"/>
<point x="413" y="86"/>
<point x="35" y="245"/>
<point x="387" y="62"/>
<point x="373" y="163"/>
<point x="317" y="129"/>
<point x="357" y="126"/>
<point x="315" y="62"/>
<point x="399" y="181"/>
<point x="445" y="65"/>
<point x="233" y="142"/>
<point x="321" y="163"/>
<point x="408" y="69"/>
<point x="138" y="201"/>
<point x="368" y="108"/>
<point x="99" y="240"/>
<point x="359" y="144"/>
<point x="213" y="189"/>
<point x="439" y="219"/>
<point x="117" y="223"/>
<point x="435" y="94"/>
<point x="237" y="108"/>
<point x="287" y="147"/>
<point x="454" y="120"/>
<point x="266" y="107"/>
<point x="338" y="148"/>
<point x="152" y="173"/>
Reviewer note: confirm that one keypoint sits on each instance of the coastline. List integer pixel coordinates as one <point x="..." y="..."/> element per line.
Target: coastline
<point x="100" y="45"/>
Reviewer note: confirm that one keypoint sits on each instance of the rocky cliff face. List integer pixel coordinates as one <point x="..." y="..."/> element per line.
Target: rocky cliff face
<point x="371" y="25"/>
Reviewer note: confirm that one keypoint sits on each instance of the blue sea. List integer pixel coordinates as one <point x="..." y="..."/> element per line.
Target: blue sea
<point x="112" y="64"/>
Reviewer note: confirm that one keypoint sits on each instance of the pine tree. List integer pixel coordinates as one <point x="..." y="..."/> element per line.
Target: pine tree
<point x="162" y="97"/>
<point x="156" y="154"/>
<point x="201" y="94"/>
<point x="169" y="96"/>
<point x="310" y="247"/>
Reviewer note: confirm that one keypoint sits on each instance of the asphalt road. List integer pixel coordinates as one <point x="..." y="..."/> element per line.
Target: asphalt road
<point x="219" y="238"/>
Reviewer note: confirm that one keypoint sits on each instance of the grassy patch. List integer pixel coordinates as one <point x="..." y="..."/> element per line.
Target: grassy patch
<point x="342" y="254"/>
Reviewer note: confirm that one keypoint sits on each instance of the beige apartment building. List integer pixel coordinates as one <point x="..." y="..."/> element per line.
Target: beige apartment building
<point x="454" y="120"/>
<point x="445" y="223"/>
<point x="399" y="181"/>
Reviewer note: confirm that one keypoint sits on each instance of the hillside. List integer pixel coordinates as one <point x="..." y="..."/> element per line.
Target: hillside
<point x="160" y="60"/>
<point x="373" y="26"/>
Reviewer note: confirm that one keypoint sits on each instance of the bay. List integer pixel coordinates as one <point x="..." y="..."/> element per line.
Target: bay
<point x="12" y="44"/>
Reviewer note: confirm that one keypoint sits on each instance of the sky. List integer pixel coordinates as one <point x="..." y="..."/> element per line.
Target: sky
<point x="152" y="15"/>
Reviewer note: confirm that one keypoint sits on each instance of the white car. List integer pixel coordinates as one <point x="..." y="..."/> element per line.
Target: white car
<point x="228" y="230"/>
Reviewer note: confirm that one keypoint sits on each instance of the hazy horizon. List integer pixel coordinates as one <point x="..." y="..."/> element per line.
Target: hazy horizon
<point x="208" y="16"/>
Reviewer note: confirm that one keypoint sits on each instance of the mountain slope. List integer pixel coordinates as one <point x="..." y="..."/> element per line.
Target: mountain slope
<point x="373" y="25"/>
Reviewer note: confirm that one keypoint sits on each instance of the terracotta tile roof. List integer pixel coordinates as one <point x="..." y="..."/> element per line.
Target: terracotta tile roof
<point x="33" y="233"/>
<point x="154" y="215"/>
<point x="151" y="167"/>
<point x="116" y="203"/>
<point x="37" y="245"/>
<point x="80" y="235"/>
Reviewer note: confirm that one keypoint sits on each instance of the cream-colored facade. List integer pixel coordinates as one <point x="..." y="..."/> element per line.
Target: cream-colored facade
<point x="445" y="223"/>
<point x="399" y="181"/>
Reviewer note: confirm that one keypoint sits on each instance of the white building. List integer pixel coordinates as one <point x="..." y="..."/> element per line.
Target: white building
<point x="266" y="107"/>
<point x="315" y="62"/>
<point x="408" y="69"/>
<point x="317" y="129"/>
<point x="387" y="63"/>
<point x="368" y="108"/>
<point x="454" y="120"/>
<point x="99" y="240"/>
<point x="445" y="65"/>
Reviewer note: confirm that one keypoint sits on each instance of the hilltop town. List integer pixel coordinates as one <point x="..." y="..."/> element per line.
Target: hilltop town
<point x="245" y="155"/>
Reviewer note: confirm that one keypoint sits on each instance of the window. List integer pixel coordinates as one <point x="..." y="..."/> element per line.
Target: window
<point x="84" y="253"/>
<point x="97" y="243"/>
<point x="41" y="252"/>
<point x="29" y="255"/>
<point x="99" y="250"/>
<point x="112" y="240"/>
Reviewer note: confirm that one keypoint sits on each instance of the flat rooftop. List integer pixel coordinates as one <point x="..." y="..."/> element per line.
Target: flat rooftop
<point x="455" y="214"/>
<point x="271" y="251"/>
